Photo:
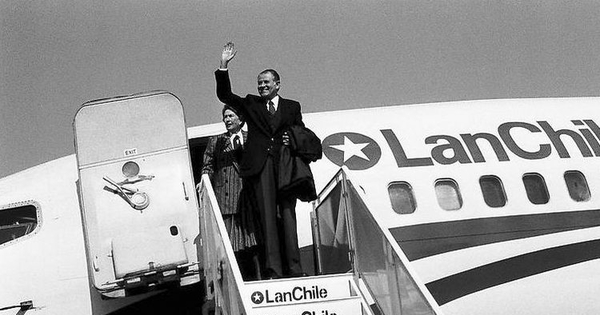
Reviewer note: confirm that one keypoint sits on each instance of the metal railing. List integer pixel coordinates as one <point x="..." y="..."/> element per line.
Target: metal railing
<point x="348" y="237"/>
<point x="221" y="271"/>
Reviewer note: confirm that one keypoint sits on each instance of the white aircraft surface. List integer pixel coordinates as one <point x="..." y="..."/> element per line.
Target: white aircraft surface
<point x="495" y="203"/>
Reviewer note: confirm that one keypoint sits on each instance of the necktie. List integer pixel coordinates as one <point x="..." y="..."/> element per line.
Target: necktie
<point x="236" y="142"/>
<point x="271" y="108"/>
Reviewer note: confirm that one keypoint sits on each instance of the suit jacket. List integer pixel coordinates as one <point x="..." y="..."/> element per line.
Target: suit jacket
<point x="295" y="177"/>
<point x="305" y="143"/>
<point x="264" y="131"/>
<point x="221" y="163"/>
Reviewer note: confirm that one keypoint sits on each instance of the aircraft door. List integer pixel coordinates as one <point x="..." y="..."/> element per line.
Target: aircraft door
<point x="138" y="202"/>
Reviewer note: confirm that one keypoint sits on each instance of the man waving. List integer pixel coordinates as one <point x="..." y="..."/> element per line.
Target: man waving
<point x="268" y="117"/>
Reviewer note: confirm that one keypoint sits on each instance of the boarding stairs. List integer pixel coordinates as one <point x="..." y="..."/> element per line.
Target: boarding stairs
<point x="361" y="269"/>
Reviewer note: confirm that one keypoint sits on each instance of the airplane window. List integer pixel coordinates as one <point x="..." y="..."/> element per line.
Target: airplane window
<point x="577" y="185"/>
<point x="493" y="191"/>
<point x="401" y="196"/>
<point x="16" y="222"/>
<point x="535" y="186"/>
<point x="448" y="195"/>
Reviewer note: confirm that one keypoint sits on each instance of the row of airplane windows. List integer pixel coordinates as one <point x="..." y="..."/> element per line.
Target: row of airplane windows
<point x="449" y="196"/>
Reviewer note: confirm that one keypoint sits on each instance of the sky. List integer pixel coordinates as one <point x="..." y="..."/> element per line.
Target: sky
<point x="56" y="55"/>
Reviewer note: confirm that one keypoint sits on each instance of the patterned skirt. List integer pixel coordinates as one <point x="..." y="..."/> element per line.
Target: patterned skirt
<point x="242" y="226"/>
<point x="240" y="237"/>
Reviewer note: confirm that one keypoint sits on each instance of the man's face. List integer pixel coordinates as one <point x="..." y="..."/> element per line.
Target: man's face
<point x="267" y="87"/>
<point x="232" y="121"/>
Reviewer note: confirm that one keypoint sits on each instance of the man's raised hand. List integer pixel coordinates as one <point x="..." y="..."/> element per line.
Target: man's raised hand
<point x="227" y="54"/>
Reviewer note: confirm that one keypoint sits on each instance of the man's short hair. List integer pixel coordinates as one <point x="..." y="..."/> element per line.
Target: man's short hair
<point x="273" y="72"/>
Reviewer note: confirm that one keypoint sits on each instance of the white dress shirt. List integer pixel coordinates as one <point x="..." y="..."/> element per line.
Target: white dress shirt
<point x="275" y="101"/>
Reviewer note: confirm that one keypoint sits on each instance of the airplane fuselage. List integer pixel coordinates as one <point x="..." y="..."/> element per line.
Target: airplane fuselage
<point x="499" y="207"/>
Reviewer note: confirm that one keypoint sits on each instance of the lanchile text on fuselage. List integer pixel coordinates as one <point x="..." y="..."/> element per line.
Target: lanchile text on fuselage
<point x="586" y="137"/>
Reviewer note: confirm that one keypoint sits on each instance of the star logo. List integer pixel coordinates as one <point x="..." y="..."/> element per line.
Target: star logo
<point x="354" y="150"/>
<point x="257" y="297"/>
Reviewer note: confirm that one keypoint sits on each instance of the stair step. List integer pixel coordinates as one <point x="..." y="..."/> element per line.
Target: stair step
<point x="343" y="306"/>
<point x="297" y="290"/>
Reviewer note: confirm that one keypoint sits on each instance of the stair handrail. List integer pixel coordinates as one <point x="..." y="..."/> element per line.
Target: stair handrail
<point x="317" y="229"/>
<point x="348" y="187"/>
<point x="217" y="269"/>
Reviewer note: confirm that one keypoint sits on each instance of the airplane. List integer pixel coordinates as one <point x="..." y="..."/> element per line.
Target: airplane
<point x="491" y="206"/>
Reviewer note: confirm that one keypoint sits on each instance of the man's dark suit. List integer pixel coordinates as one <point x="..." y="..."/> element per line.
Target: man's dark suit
<point x="259" y="164"/>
